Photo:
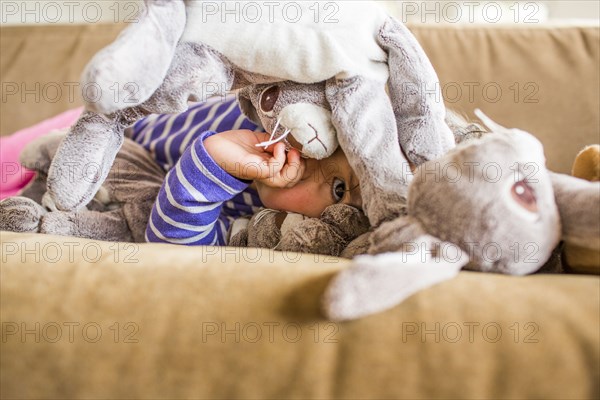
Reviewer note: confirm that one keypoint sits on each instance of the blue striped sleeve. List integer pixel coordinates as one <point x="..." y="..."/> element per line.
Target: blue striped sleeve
<point x="167" y="136"/>
<point x="190" y="200"/>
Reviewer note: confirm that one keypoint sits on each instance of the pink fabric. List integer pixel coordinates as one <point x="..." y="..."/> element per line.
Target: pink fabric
<point x="13" y="176"/>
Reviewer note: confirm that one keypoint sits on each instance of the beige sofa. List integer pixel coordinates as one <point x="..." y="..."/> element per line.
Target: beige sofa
<point x="83" y="319"/>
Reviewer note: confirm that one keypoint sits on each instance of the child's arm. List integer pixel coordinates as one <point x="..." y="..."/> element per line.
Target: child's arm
<point x="212" y="170"/>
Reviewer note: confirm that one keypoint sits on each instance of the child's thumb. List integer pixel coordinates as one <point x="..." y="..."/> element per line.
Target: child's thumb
<point x="294" y="168"/>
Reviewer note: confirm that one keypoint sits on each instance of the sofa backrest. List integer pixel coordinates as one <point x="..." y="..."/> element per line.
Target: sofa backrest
<point x="541" y="79"/>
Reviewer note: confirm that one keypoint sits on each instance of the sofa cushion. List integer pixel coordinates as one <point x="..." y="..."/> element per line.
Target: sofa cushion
<point x="84" y="319"/>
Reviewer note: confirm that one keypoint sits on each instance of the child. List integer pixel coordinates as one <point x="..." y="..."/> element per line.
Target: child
<point x="215" y="178"/>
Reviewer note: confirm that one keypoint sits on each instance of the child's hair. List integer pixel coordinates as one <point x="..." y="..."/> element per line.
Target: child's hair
<point x="462" y="129"/>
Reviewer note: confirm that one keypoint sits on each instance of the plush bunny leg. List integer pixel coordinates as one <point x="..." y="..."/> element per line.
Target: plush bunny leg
<point x="416" y="96"/>
<point x="129" y="70"/>
<point x="110" y="226"/>
<point x="578" y="205"/>
<point x="82" y="161"/>
<point x="376" y="283"/>
<point x="138" y="207"/>
<point x="86" y="154"/>
<point x="20" y="214"/>
<point x="37" y="156"/>
<point x="364" y="119"/>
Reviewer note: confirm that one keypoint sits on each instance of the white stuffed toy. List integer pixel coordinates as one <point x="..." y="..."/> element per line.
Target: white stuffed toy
<point x="182" y="51"/>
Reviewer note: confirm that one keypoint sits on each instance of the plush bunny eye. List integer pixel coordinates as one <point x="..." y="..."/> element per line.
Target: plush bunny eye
<point x="524" y="195"/>
<point x="269" y="98"/>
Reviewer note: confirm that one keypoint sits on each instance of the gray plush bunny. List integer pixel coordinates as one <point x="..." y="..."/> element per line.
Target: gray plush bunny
<point x="179" y="51"/>
<point x="489" y="205"/>
<point x="119" y="211"/>
<point x="121" y="208"/>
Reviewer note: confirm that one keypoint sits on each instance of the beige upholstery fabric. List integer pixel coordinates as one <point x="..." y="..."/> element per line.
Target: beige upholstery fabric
<point x="41" y="65"/>
<point x="543" y="80"/>
<point x="95" y="320"/>
<point x="219" y="323"/>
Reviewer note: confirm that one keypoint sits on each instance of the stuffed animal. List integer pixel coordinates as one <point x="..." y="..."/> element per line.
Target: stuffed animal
<point x="119" y="211"/>
<point x="351" y="51"/>
<point x="488" y="205"/>
<point x="587" y="164"/>
<point x="579" y="257"/>
<point x="132" y="184"/>
<point x="330" y="234"/>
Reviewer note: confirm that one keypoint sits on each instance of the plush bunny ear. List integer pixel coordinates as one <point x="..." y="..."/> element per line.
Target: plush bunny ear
<point x="129" y="70"/>
<point x="487" y="121"/>
<point x="376" y="283"/>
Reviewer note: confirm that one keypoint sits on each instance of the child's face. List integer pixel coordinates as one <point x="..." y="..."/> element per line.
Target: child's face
<point x="324" y="182"/>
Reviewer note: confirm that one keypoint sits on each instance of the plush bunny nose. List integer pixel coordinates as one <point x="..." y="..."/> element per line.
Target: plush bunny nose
<point x="311" y="129"/>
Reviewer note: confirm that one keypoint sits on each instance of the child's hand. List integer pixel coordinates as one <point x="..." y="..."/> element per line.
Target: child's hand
<point x="236" y="152"/>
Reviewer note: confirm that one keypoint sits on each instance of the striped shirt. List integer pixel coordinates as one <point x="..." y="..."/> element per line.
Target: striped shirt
<point x="198" y="200"/>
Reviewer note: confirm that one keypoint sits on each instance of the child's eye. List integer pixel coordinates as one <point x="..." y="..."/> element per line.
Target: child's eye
<point x="338" y="189"/>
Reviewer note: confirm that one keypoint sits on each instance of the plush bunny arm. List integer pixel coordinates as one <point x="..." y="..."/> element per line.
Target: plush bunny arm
<point x="82" y="161"/>
<point x="362" y="111"/>
<point x="578" y="203"/>
<point x="20" y="214"/>
<point x="416" y="95"/>
<point x="38" y="154"/>
<point x="85" y="156"/>
<point x="110" y="226"/>
<point x="129" y="70"/>
<point x="197" y="73"/>
<point x="375" y="283"/>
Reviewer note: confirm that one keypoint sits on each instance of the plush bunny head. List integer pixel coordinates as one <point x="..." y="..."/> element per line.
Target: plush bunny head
<point x="296" y="113"/>
<point x="488" y="205"/>
<point x="493" y="198"/>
